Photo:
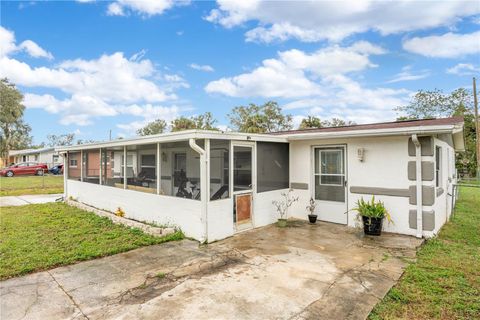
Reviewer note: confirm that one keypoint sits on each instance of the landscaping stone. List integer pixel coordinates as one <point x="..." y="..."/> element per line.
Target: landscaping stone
<point x="149" y="229"/>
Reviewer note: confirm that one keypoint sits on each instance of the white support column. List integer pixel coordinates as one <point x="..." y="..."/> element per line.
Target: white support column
<point x="207" y="169"/>
<point x="101" y="165"/>
<point x="65" y="175"/>
<point x="159" y="170"/>
<point x="81" y="165"/>
<point x="125" y="167"/>
<point x="203" y="183"/>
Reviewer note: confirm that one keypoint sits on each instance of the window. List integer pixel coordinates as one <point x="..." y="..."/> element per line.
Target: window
<point x="272" y="166"/>
<point x="112" y="167"/>
<point x="219" y="169"/>
<point x="438" y="166"/>
<point x="73" y="167"/>
<point x="180" y="170"/>
<point x="91" y="166"/>
<point x="55" y="158"/>
<point x="142" y="168"/>
<point x="329" y="174"/>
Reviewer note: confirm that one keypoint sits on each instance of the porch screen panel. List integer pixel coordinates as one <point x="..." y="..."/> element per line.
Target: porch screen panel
<point x="74" y="163"/>
<point x="180" y="170"/>
<point x="142" y="168"/>
<point x="219" y="169"/>
<point x="272" y="166"/>
<point x="329" y="174"/>
<point x="112" y="167"/>
<point x="91" y="166"/>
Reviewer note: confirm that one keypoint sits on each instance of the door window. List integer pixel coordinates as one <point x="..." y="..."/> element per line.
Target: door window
<point x="330" y="174"/>
<point x="242" y="168"/>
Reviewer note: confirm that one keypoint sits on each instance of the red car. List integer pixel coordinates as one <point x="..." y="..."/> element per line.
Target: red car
<point x="24" y="168"/>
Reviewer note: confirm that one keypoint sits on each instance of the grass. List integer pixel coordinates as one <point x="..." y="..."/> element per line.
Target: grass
<point x="444" y="283"/>
<point x="22" y="185"/>
<point x="39" y="237"/>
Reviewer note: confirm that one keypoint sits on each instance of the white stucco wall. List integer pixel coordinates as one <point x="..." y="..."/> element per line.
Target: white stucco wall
<point x="384" y="166"/>
<point x="184" y="213"/>
<point x="442" y="205"/>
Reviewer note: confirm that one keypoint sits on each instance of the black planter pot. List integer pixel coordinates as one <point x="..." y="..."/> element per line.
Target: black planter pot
<point x="372" y="226"/>
<point x="312" y="218"/>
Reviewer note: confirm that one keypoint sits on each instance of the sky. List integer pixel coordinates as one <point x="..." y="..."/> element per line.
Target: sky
<point x="91" y="67"/>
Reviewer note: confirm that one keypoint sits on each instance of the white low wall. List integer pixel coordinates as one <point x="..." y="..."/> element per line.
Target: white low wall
<point x="220" y="219"/>
<point x="183" y="213"/>
<point x="264" y="212"/>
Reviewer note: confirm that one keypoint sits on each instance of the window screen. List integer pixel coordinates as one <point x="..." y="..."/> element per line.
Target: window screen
<point x="272" y="166"/>
<point x="219" y="169"/>
<point x="329" y="174"/>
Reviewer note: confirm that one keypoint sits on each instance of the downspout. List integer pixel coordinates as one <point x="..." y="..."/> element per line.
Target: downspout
<point x="203" y="185"/>
<point x="418" y="166"/>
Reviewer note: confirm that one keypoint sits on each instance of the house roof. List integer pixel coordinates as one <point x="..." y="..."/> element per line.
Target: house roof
<point x="30" y="151"/>
<point x="452" y="126"/>
<point x="380" y="125"/>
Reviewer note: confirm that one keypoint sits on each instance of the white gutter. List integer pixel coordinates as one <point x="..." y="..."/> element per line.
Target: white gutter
<point x="418" y="162"/>
<point x="370" y="133"/>
<point x="203" y="184"/>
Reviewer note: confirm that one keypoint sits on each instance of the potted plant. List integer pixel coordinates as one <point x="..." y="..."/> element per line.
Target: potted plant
<point x="282" y="207"/>
<point x="312" y="217"/>
<point x="372" y="214"/>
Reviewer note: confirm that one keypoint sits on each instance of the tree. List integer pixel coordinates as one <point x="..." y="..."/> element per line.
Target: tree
<point x="311" y="122"/>
<point x="154" y="127"/>
<point x="260" y="118"/>
<point x="14" y="133"/>
<point x="202" y="122"/>
<point x="315" y="122"/>
<point x="436" y="104"/>
<point x="60" y="140"/>
<point x="335" y="122"/>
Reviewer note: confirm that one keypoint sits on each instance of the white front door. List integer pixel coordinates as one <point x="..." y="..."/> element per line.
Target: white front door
<point x="330" y="185"/>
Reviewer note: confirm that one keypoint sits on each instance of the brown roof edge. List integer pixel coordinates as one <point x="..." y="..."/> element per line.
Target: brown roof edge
<point x="380" y="125"/>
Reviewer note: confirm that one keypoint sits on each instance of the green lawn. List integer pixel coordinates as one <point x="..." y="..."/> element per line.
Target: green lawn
<point x="38" y="237"/>
<point x="21" y="185"/>
<point x="444" y="283"/>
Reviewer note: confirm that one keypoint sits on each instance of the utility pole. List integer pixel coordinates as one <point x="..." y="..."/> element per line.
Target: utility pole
<point x="477" y="126"/>
<point x="110" y="135"/>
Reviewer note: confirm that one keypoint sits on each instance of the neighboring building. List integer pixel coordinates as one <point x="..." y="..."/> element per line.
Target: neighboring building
<point x="43" y="155"/>
<point x="214" y="184"/>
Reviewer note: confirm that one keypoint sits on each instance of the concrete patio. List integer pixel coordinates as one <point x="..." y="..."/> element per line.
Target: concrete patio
<point x="322" y="271"/>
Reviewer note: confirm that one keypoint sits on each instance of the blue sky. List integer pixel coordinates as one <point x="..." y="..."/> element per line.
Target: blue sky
<point x="93" y="66"/>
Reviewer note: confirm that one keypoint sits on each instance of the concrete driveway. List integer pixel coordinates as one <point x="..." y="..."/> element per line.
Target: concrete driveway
<point x="28" y="199"/>
<point x="322" y="271"/>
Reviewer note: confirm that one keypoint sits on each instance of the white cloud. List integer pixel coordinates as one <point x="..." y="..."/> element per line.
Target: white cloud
<point x="93" y="88"/>
<point x="144" y="7"/>
<point x="407" y="75"/>
<point x="334" y="20"/>
<point x="8" y="46"/>
<point x="149" y="113"/>
<point x="318" y="84"/>
<point x="464" y="69"/>
<point x="294" y="73"/>
<point x="199" y="67"/>
<point x="34" y="50"/>
<point x="449" y="45"/>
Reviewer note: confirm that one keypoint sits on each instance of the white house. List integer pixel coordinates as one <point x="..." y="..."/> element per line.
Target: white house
<point x="42" y="155"/>
<point x="214" y="184"/>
